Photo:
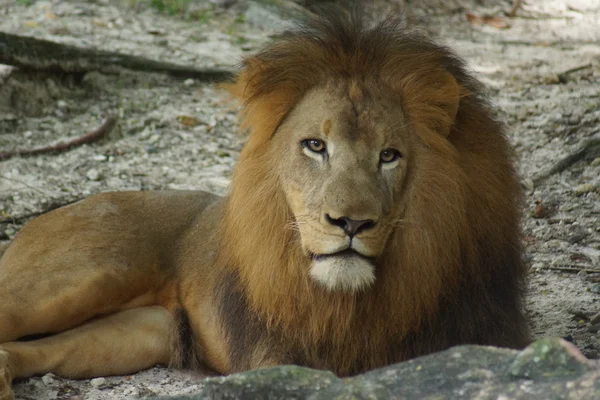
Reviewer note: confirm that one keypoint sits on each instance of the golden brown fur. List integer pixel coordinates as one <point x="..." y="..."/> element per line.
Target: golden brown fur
<point x="443" y="239"/>
<point x="461" y="229"/>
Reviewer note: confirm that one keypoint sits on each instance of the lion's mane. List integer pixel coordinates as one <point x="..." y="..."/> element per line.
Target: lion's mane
<point x="451" y="273"/>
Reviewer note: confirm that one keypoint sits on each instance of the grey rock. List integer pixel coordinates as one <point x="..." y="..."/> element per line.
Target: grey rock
<point x="550" y="368"/>
<point x="97" y="382"/>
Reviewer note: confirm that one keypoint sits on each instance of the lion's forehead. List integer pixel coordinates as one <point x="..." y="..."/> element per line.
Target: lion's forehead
<point x="354" y="116"/>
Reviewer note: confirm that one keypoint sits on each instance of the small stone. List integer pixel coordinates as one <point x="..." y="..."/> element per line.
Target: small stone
<point x="595" y="319"/>
<point x="97" y="382"/>
<point x="583" y="188"/>
<point x="61" y="104"/>
<point x="189" y="82"/>
<point x="594" y="328"/>
<point x="528" y="184"/>
<point x="48" y="379"/>
<point x="596" y="162"/>
<point x="99" y="157"/>
<point x="539" y="265"/>
<point x="93" y="175"/>
<point x="27" y="134"/>
<point x="150" y="149"/>
<point x="577" y="237"/>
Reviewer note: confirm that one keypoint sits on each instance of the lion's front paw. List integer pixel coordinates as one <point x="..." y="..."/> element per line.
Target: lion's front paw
<point x="5" y="377"/>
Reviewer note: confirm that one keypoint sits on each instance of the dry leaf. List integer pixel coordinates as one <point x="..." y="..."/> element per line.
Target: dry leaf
<point x="187" y="120"/>
<point x="494" y="22"/>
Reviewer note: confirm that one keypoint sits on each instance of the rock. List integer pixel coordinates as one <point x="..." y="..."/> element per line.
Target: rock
<point x="97" y="382"/>
<point x="547" y="367"/>
<point x="48" y="379"/>
<point x="93" y="175"/>
<point x="548" y="358"/>
<point x="594" y="328"/>
<point x="99" y="157"/>
<point x="583" y="188"/>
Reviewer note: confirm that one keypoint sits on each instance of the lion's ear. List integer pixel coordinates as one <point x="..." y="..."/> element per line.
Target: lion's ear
<point x="432" y="100"/>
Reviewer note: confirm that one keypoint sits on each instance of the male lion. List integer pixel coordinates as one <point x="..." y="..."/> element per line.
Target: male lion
<point x="373" y="217"/>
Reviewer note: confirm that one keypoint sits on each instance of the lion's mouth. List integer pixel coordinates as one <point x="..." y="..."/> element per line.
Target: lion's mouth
<point x="347" y="253"/>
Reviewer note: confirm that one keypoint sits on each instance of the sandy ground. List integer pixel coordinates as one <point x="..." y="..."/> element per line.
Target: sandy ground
<point x="543" y="72"/>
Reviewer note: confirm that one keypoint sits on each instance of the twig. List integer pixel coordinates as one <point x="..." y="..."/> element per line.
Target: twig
<point x="589" y="147"/>
<point x="89" y="137"/>
<point x="30" y="53"/>
<point x="569" y="268"/>
<point x="562" y="76"/>
<point x="515" y="6"/>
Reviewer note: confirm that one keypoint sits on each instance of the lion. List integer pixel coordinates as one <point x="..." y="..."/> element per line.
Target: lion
<point x="373" y="217"/>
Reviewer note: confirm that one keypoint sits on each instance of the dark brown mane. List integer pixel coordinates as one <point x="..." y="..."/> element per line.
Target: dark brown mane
<point x="437" y="284"/>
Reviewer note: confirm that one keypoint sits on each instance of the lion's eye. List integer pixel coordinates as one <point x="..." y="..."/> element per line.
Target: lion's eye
<point x="389" y="155"/>
<point x="314" y="145"/>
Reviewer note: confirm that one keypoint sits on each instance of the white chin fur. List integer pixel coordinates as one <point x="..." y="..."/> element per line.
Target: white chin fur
<point x="343" y="273"/>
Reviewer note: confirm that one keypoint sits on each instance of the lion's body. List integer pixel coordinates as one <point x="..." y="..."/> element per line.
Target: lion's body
<point x="373" y="217"/>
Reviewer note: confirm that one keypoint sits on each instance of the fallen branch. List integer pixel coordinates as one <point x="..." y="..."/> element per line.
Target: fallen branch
<point x="30" y="53"/>
<point x="569" y="268"/>
<point x="89" y="137"/>
<point x="589" y="148"/>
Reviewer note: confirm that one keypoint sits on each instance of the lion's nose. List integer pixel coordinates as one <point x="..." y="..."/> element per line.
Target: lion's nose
<point x="351" y="226"/>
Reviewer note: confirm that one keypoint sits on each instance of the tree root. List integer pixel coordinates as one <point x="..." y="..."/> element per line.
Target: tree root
<point x="92" y="136"/>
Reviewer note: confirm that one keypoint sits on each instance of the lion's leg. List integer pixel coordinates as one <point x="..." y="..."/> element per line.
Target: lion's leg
<point x="54" y="299"/>
<point x="118" y="344"/>
<point x="51" y="281"/>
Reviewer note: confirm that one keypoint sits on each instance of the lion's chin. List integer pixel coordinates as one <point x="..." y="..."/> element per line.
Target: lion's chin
<point x="349" y="273"/>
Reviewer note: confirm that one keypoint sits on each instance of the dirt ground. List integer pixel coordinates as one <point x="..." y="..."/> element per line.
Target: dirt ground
<point x="543" y="72"/>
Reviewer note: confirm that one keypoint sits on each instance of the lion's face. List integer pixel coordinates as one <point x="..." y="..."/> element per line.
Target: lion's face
<point x="343" y="159"/>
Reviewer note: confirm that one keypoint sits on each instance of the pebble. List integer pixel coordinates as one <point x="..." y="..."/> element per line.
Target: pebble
<point x="528" y="184"/>
<point x="538" y="265"/>
<point x="583" y="188"/>
<point x="189" y="82"/>
<point x="61" y="104"/>
<point x="596" y="162"/>
<point x="93" y="175"/>
<point x="48" y="379"/>
<point x="97" y="382"/>
<point x="594" y="328"/>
